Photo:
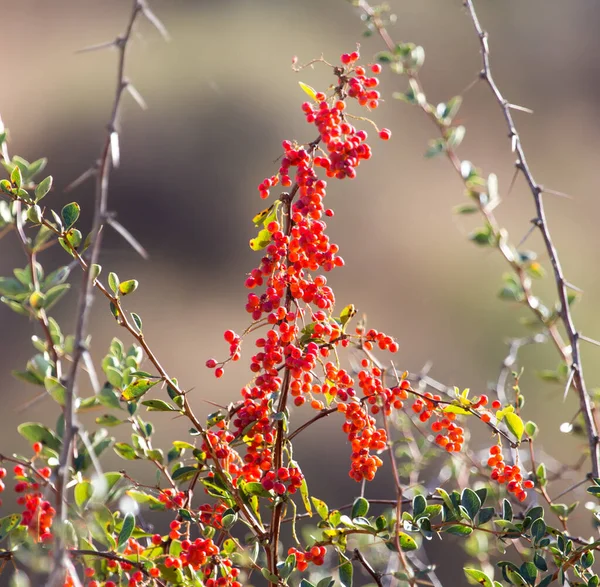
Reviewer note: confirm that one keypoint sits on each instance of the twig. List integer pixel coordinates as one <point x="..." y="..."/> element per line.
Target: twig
<point x="357" y="555"/>
<point x="84" y="303"/>
<point x="536" y="190"/>
<point x="514" y="346"/>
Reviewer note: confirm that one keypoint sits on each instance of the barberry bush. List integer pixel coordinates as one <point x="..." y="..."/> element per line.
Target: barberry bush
<point x="231" y="505"/>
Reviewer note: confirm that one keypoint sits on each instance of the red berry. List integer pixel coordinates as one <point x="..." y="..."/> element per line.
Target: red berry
<point x="385" y="134"/>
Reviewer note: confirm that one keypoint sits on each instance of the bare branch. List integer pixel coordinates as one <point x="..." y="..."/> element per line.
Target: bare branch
<point x="587" y="409"/>
<point x="71" y="427"/>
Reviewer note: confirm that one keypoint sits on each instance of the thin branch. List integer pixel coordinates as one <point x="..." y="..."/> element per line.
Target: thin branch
<point x="71" y="425"/>
<point x="357" y="555"/>
<point x="587" y="408"/>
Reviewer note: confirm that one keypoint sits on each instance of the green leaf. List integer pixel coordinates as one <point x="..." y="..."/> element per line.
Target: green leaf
<point x="471" y="502"/>
<point x="456" y="136"/>
<point x="54" y="294"/>
<point x="126" y="531"/>
<point x="56" y="390"/>
<point x="144" y="498"/>
<point x="137" y="320"/>
<point x="515" y="578"/>
<point x="507" y="511"/>
<point x="158" y="405"/>
<point x="8" y="524"/>
<point x="485" y="515"/>
<point x="538" y="529"/>
<point x="269" y="576"/>
<point x="407" y="543"/>
<point x="307" y="89"/>
<point x="70" y="214"/>
<point x="113" y="282"/>
<point x="476" y="577"/>
<point x="540" y="562"/>
<point x="346" y="572"/>
<point x="419" y="505"/>
<point x="127" y="287"/>
<point x="108" y="420"/>
<point x="137" y="389"/>
<point x="184" y="473"/>
<point x="515" y="424"/>
<point x="34" y="214"/>
<point x="458" y="530"/>
<point x="125" y="451"/>
<point x="262" y="240"/>
<point x="321" y="508"/>
<point x="43" y="188"/>
<point x="83" y="493"/>
<point x="73" y="238"/>
<point x="529" y="572"/>
<point x="360" y="507"/>
<point x="16" y="178"/>
<point x="34" y="432"/>
<point x="531" y="429"/>
<point x="465" y="209"/>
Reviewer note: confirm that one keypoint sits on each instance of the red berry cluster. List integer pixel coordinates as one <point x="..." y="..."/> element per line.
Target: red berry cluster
<point x="381" y="340"/>
<point x="212" y="515"/>
<point x="379" y="397"/>
<point x="172" y="499"/>
<point x="296" y="251"/>
<point x="285" y="479"/>
<point x="203" y="554"/>
<point x="316" y="556"/>
<point x="38" y="513"/>
<point x="511" y="475"/>
<point x="2" y="486"/>
<point x="365" y="437"/>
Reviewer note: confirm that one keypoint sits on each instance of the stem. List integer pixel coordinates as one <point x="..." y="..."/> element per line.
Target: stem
<point x="83" y="309"/>
<point x="587" y="408"/>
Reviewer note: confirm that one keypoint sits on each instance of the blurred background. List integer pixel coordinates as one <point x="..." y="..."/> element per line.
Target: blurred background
<point x="221" y="97"/>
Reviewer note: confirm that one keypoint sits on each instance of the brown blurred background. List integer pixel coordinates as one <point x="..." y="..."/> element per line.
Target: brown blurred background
<point x="221" y="98"/>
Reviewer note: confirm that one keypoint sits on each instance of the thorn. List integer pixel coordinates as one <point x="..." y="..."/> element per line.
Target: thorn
<point x="571" y="286"/>
<point x="155" y="21"/>
<point x="555" y="193"/>
<point x="91" y="370"/>
<point x="588" y="339"/>
<point x="30" y="403"/>
<point x="569" y="381"/>
<point x="512" y="181"/>
<point x="470" y="85"/>
<point x="527" y="235"/>
<point x="82" y="178"/>
<point x="520" y="108"/>
<point x="513" y="143"/>
<point x="136" y="96"/>
<point x="97" y="47"/>
<point x="114" y="148"/>
<point x="118" y="227"/>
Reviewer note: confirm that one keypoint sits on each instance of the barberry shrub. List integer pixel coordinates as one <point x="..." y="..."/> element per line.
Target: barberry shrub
<point x="239" y="507"/>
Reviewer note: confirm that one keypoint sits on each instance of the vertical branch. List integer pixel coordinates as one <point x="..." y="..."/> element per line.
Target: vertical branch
<point x="570" y="353"/>
<point x="587" y="409"/>
<point x="109" y="156"/>
<point x="41" y="315"/>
